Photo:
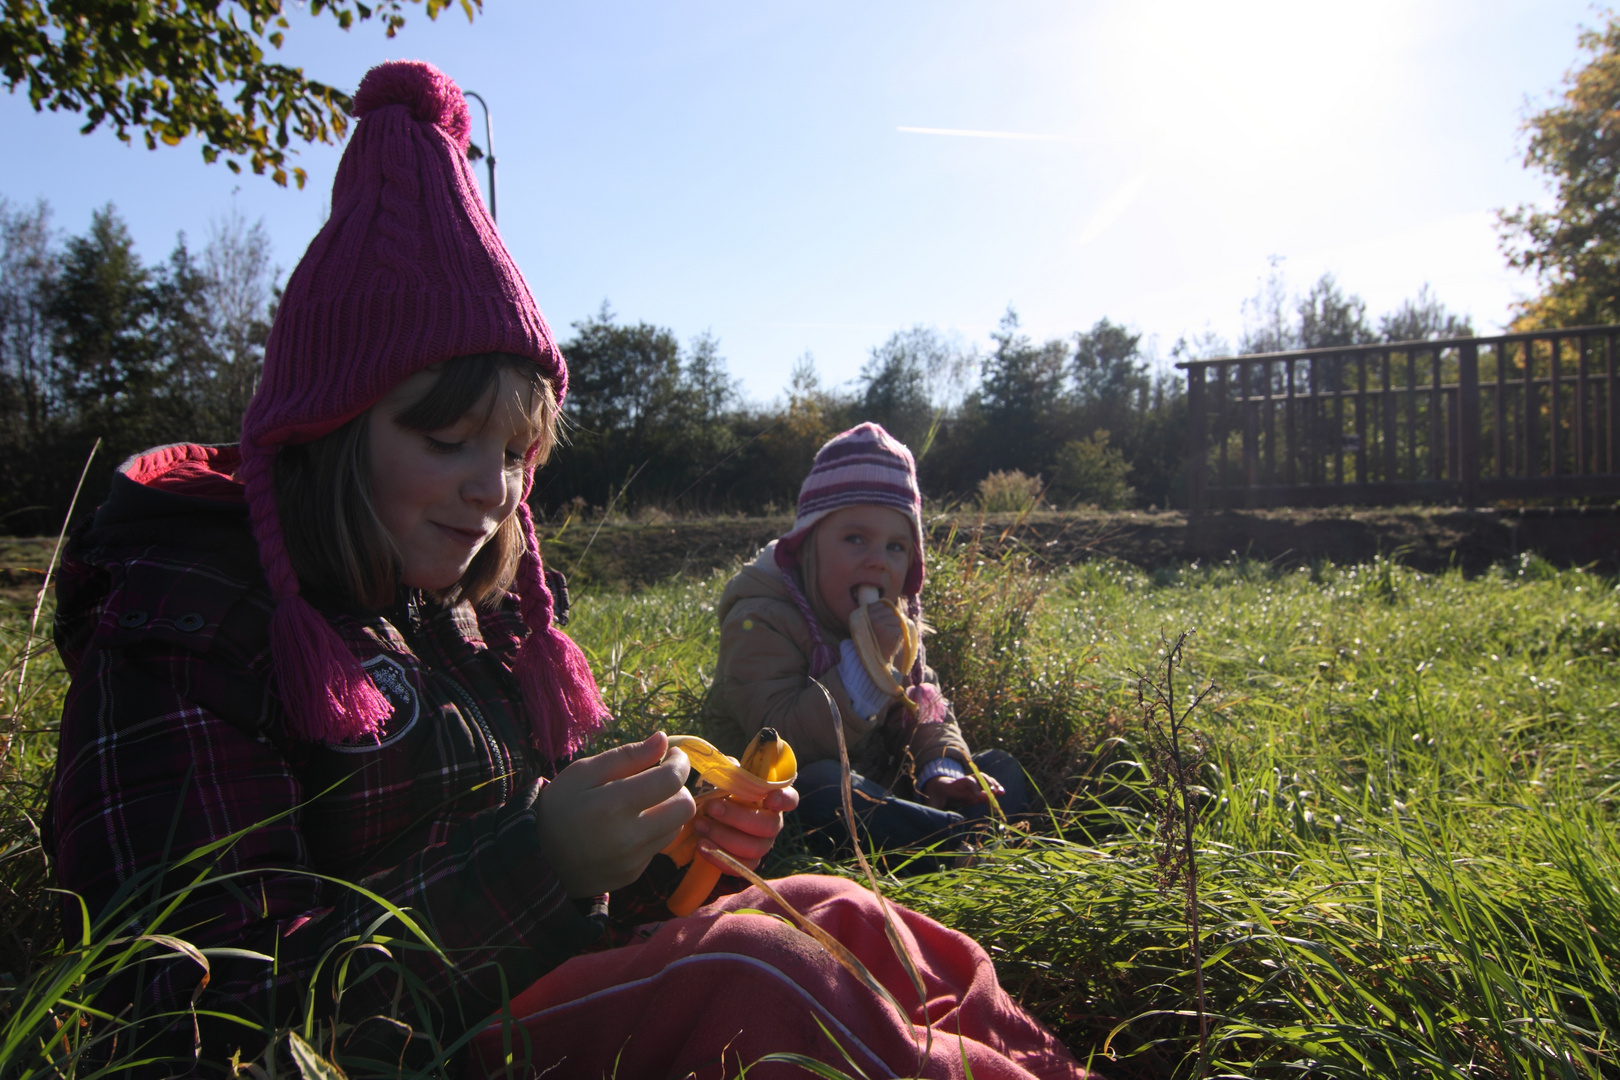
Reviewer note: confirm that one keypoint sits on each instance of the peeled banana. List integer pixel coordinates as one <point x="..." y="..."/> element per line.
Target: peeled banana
<point x="767" y="765"/>
<point x="866" y="646"/>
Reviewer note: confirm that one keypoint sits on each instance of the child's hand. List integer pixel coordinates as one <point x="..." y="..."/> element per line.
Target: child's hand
<point x="605" y="816"/>
<point x="745" y="833"/>
<point x="886" y="630"/>
<point x="946" y="791"/>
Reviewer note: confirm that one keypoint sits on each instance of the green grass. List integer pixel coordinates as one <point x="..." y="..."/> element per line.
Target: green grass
<point x="1409" y="852"/>
<point x="1409" y="849"/>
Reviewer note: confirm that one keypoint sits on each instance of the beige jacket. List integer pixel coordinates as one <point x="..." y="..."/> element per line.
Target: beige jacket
<point x="763" y="679"/>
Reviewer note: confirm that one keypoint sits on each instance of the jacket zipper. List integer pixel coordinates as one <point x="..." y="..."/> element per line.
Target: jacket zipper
<point x="503" y="768"/>
<point x="478" y="718"/>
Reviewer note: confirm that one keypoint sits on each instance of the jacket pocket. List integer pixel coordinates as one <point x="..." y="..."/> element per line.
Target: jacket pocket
<point x="175" y="603"/>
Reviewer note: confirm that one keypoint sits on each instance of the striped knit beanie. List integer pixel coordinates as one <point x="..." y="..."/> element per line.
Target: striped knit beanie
<point x="407" y="272"/>
<point x="864" y="466"/>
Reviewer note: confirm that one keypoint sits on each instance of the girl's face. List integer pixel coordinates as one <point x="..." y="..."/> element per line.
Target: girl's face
<point x="861" y="545"/>
<point x="442" y="494"/>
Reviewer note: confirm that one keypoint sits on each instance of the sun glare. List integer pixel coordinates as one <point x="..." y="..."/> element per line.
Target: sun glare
<point x="1229" y="83"/>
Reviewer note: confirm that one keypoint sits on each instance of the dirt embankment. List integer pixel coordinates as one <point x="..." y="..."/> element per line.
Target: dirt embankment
<point x="625" y="554"/>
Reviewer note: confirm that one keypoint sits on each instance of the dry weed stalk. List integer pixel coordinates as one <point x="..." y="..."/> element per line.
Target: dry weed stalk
<point x="1175" y="755"/>
<point x="890" y="927"/>
<point x="39" y="604"/>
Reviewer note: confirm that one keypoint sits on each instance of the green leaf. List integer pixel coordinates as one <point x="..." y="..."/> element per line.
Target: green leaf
<point x="311" y="1066"/>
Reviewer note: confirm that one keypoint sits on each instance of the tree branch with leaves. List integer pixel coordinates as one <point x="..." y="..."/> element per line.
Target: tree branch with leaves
<point x="166" y="70"/>
<point x="1573" y="247"/>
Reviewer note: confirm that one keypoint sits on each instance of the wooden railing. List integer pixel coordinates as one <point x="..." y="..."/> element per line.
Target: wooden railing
<point x="1464" y="420"/>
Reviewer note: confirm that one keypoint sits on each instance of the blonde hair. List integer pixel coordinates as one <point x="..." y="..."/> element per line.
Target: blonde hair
<point x="336" y="542"/>
<point x="811" y="583"/>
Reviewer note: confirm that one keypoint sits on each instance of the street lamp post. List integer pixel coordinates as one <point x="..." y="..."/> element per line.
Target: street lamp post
<point x="489" y="149"/>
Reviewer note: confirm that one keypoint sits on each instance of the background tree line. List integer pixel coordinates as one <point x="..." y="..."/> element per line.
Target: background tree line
<point x="96" y="344"/>
<point x="1091" y="418"/>
<point x="93" y="343"/>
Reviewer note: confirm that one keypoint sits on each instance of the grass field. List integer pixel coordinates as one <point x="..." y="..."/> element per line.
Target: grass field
<point x="1408" y="853"/>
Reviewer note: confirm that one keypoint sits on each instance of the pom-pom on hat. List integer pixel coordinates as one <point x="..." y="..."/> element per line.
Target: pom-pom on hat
<point x="407" y="272"/>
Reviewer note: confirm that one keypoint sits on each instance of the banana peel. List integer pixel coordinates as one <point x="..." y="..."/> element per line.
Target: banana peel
<point x="767" y="765"/>
<point x="730" y="775"/>
<point x="866" y="646"/>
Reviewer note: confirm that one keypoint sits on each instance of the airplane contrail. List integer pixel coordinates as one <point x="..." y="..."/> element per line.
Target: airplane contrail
<point x="965" y="133"/>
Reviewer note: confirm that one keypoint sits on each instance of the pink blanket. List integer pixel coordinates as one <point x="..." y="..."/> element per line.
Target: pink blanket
<point x="706" y="995"/>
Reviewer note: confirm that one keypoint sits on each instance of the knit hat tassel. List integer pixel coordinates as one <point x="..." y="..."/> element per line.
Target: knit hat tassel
<point x="931" y="704"/>
<point x="327" y="694"/>
<point x="565" y="707"/>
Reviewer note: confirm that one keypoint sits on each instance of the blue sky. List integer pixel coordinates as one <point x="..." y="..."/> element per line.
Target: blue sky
<point x="746" y="169"/>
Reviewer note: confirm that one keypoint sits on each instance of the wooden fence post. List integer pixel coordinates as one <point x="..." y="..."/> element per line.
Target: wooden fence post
<point x="1251" y="440"/>
<point x="1195" y="440"/>
<point x="1468" y="423"/>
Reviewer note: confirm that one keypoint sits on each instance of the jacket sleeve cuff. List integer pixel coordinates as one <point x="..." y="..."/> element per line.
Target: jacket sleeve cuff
<point x="544" y="918"/>
<point x="864" y="694"/>
<point x="944" y="766"/>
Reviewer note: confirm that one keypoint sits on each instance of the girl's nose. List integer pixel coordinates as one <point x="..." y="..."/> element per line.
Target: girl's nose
<point x="485" y="483"/>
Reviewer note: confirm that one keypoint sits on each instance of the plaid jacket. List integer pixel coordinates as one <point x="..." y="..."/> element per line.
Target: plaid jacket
<point x="173" y="739"/>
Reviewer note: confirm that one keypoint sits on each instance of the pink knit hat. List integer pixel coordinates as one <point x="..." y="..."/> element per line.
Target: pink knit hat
<point x="864" y="466"/>
<point x="407" y="272"/>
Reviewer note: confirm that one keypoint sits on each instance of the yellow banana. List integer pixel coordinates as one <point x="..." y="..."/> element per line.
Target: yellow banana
<point x="767" y="765"/>
<point x="866" y="646"/>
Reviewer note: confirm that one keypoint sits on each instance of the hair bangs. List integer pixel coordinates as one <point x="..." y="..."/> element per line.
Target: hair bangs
<point x="335" y="539"/>
<point x="471" y="383"/>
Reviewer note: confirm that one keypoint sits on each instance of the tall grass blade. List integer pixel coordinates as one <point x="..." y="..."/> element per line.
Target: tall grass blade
<point x="890" y="928"/>
<point x="39" y="604"/>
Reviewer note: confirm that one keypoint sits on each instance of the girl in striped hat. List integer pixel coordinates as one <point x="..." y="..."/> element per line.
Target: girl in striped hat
<point x="785" y="625"/>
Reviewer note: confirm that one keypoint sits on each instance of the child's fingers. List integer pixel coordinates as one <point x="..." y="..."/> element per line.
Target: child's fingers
<point x="782" y="802"/>
<point x="744" y="832"/>
<point x="652" y="786"/>
<point x="756" y="821"/>
<point x="657" y="825"/>
<point x="628" y="760"/>
<point x="971" y="784"/>
<point x="883" y="615"/>
<point x="886" y="628"/>
<point x="963" y="790"/>
<point x="745" y="848"/>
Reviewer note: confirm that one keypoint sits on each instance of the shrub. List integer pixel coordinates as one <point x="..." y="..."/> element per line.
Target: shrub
<point x="1091" y="471"/>
<point x="1009" y="492"/>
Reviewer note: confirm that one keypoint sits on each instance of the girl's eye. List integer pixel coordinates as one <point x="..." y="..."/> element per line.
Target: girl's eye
<point x="514" y="458"/>
<point x="439" y="446"/>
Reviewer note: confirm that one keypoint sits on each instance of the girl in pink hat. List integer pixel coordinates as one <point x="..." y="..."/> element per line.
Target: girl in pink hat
<point x="785" y="627"/>
<point x="323" y="713"/>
